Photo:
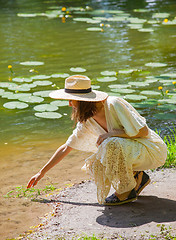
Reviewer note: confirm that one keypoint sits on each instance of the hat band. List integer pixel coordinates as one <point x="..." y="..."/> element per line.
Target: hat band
<point x="67" y="90"/>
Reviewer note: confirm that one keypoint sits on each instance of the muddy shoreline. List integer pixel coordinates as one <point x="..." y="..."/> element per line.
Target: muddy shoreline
<point x="18" y="164"/>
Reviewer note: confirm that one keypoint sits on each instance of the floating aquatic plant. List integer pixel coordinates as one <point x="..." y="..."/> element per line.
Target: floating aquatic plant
<point x="119" y="86"/>
<point x="48" y="115"/>
<point x="106" y="79"/>
<point x="135" y="97"/>
<point x="95" y="29"/>
<point x="43" y="83"/>
<point x="160" y="15"/>
<point x="31" y="99"/>
<point x="42" y="93"/>
<point x="108" y="73"/>
<point x="77" y="69"/>
<point x="147" y="30"/>
<point x="156" y="64"/>
<point x="32" y="63"/>
<point x="122" y="90"/>
<point x="150" y="93"/>
<point x="15" y="105"/>
<point x="40" y="77"/>
<point x="59" y="103"/>
<point x="45" y="108"/>
<point x="60" y="75"/>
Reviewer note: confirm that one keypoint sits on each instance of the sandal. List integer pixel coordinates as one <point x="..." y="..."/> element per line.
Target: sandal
<point x="114" y="200"/>
<point x="145" y="181"/>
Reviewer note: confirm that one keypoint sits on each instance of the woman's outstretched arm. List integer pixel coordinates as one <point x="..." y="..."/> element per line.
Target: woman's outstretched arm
<point x="61" y="152"/>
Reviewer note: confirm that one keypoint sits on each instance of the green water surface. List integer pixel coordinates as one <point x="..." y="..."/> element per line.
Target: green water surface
<point x="61" y="43"/>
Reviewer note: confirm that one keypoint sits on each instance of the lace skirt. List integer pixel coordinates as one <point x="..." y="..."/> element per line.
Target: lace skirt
<point x="114" y="163"/>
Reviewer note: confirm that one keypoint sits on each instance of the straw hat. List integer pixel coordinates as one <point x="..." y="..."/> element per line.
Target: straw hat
<point x="78" y="87"/>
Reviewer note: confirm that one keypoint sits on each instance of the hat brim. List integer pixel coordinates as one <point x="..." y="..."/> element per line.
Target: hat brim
<point x="93" y="96"/>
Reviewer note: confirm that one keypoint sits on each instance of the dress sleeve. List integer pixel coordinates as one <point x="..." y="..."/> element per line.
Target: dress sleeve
<point x="82" y="139"/>
<point x="129" y="118"/>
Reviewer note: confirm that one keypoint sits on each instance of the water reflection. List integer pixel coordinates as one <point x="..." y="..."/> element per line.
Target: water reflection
<point x="64" y="45"/>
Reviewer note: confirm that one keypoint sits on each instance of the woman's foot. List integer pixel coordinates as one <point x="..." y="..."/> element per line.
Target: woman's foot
<point x="142" y="180"/>
<point x="118" y="199"/>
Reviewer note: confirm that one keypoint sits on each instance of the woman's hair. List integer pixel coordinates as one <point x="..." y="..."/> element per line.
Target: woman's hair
<point x="83" y="111"/>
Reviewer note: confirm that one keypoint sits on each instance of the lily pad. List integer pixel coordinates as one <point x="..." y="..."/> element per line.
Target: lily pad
<point x="20" y="88"/>
<point x="170" y="101"/>
<point x="77" y="69"/>
<point x="45" y="108"/>
<point x="106" y="79"/>
<point x="164" y="116"/>
<point x="152" y="80"/>
<point x="95" y="87"/>
<point x="48" y="115"/>
<point x="138" y="84"/>
<point x="1" y="91"/>
<point x="135" y="97"/>
<point x="42" y="93"/>
<point x="21" y="79"/>
<point x="156" y="64"/>
<point x="108" y="73"/>
<point x="41" y="77"/>
<point x="18" y="95"/>
<point x="160" y="15"/>
<point x="83" y="19"/>
<point x="93" y="21"/>
<point x="135" y="26"/>
<point x="167" y="107"/>
<point x="32" y="63"/>
<point x="117" y="19"/>
<point x="146" y="30"/>
<point x="15" y="105"/>
<point x="171" y="75"/>
<point x="153" y="22"/>
<point x="7" y="84"/>
<point x="26" y="14"/>
<point x="43" y="83"/>
<point x="119" y="86"/>
<point x="8" y="95"/>
<point x="60" y="75"/>
<point x="126" y="71"/>
<point x="150" y="93"/>
<point x="137" y="20"/>
<point x="59" y="103"/>
<point x="103" y="11"/>
<point x="141" y="10"/>
<point x="114" y="94"/>
<point x="95" y="29"/>
<point x="173" y="22"/>
<point x="31" y="99"/>
<point x="123" y="90"/>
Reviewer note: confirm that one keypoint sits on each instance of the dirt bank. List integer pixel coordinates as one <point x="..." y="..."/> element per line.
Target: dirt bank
<point x="76" y="212"/>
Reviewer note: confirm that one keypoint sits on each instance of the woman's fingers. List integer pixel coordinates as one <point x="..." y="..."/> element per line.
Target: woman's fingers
<point x="32" y="182"/>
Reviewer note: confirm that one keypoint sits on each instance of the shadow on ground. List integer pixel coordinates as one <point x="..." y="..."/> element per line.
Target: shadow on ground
<point x="145" y="210"/>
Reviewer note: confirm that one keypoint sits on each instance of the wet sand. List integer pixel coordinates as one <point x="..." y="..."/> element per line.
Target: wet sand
<point x="17" y="165"/>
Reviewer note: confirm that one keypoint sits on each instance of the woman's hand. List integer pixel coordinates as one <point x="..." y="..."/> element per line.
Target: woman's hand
<point x="102" y="137"/>
<point x="34" y="180"/>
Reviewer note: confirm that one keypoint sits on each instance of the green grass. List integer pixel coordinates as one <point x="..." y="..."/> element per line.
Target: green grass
<point x="22" y="191"/>
<point x="170" y="141"/>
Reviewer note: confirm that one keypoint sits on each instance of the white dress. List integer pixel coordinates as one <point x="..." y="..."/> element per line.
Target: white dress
<point x="114" y="161"/>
